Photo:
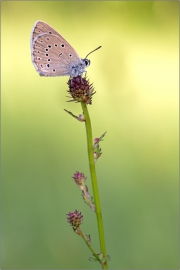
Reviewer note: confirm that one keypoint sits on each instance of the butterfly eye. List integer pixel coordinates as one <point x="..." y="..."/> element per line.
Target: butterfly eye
<point x="87" y="62"/>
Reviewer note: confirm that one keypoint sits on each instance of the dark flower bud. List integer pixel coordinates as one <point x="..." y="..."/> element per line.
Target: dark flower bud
<point x="75" y="219"/>
<point x="80" y="90"/>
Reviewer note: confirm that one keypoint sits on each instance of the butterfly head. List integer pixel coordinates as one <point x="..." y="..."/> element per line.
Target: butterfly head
<point x="79" y="68"/>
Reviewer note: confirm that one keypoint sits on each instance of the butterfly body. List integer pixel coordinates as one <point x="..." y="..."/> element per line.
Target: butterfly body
<point x="52" y="55"/>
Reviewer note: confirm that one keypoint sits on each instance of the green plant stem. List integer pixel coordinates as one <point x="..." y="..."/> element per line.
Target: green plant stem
<point x="94" y="181"/>
<point x="89" y="246"/>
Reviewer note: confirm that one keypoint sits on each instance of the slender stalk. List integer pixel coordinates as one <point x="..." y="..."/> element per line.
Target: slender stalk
<point x="94" y="181"/>
<point x="89" y="246"/>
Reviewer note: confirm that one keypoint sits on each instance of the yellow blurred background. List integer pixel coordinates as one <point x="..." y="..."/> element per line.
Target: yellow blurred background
<point x="135" y="75"/>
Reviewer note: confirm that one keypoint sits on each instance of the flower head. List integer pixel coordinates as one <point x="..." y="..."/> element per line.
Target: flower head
<point x="79" y="179"/>
<point x="80" y="89"/>
<point x="75" y="219"/>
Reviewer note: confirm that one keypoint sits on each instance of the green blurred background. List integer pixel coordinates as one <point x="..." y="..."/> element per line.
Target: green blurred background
<point x="135" y="74"/>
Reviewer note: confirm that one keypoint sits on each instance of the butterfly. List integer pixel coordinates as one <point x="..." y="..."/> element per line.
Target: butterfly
<point x="52" y="55"/>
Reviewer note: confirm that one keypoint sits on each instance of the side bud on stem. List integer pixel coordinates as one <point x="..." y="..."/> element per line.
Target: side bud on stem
<point x="80" y="117"/>
<point x="80" y="179"/>
<point x="96" y="147"/>
<point x="76" y="219"/>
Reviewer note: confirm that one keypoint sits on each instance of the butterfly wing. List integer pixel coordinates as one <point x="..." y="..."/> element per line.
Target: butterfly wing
<point x="51" y="54"/>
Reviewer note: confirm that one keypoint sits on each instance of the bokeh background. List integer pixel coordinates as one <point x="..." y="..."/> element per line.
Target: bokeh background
<point x="135" y="74"/>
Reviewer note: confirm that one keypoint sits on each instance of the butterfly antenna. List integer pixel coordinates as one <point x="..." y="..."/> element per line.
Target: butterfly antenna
<point x="93" y="51"/>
